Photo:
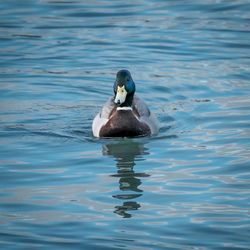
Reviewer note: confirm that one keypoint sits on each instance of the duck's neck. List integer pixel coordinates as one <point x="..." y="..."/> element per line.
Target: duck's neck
<point x="129" y="101"/>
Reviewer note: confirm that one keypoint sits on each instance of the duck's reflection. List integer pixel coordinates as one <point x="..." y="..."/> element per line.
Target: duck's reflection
<point x="126" y="153"/>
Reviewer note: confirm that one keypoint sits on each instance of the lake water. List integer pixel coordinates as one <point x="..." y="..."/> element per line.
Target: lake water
<point x="186" y="188"/>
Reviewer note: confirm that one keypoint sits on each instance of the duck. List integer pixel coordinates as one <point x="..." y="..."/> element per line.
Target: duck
<point x="124" y="114"/>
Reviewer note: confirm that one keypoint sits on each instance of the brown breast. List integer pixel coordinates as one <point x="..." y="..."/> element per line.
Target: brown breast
<point x="123" y="123"/>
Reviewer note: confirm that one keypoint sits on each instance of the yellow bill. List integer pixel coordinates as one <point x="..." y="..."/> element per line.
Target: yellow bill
<point x="120" y="95"/>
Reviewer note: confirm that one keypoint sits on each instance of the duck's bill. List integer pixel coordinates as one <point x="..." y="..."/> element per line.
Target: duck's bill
<point x="120" y="95"/>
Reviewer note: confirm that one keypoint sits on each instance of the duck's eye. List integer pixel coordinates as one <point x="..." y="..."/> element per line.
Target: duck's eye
<point x="127" y="80"/>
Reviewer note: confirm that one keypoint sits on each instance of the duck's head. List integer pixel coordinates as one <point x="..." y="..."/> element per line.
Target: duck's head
<point x="124" y="89"/>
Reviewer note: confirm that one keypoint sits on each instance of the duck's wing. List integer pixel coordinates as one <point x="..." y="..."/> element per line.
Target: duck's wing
<point x="102" y="117"/>
<point x="107" y="108"/>
<point x="141" y="107"/>
<point x="144" y="115"/>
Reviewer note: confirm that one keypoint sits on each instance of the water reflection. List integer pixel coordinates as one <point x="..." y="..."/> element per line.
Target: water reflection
<point x="126" y="153"/>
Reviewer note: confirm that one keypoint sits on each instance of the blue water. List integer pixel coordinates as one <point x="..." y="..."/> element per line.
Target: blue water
<point x="186" y="188"/>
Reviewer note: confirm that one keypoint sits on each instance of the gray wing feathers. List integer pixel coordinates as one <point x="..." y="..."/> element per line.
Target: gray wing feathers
<point x="141" y="107"/>
<point x="107" y="108"/>
<point x="145" y="115"/>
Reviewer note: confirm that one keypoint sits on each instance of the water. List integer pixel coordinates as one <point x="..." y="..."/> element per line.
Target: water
<point x="186" y="188"/>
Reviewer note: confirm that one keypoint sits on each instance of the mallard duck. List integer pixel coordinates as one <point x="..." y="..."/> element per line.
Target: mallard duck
<point x="124" y="115"/>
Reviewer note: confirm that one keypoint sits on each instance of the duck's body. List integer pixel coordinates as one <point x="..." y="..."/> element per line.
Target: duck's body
<point x="125" y="115"/>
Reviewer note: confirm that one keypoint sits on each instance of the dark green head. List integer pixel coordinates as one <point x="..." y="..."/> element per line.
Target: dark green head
<point x="124" y="88"/>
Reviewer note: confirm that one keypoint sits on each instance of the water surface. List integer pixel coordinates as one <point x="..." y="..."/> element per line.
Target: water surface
<point x="186" y="188"/>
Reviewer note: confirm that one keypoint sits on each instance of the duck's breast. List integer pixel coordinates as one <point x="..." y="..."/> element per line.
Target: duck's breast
<point x="123" y="123"/>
